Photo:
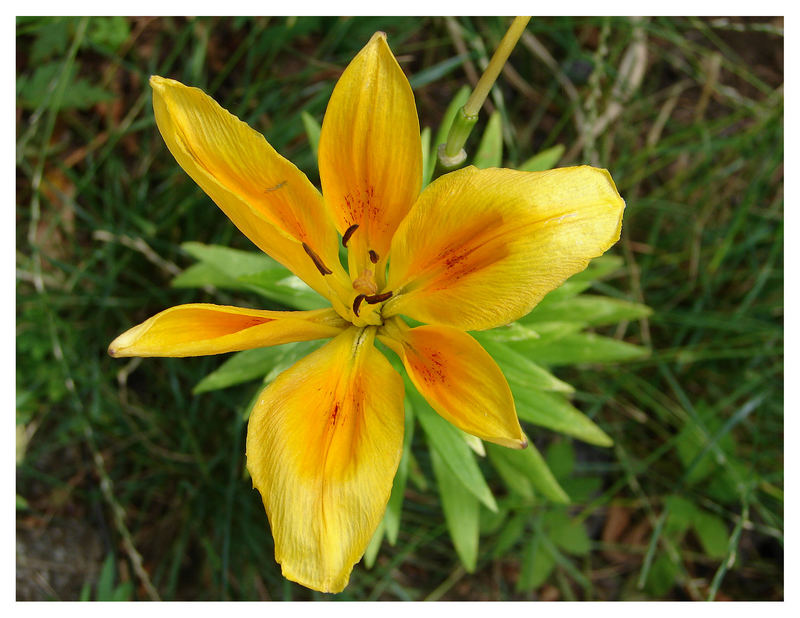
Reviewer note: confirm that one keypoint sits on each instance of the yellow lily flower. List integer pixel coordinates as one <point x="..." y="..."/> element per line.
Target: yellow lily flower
<point x="475" y="250"/>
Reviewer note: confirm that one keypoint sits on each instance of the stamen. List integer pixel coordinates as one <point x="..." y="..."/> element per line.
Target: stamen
<point x="348" y="233"/>
<point x="378" y="298"/>
<point x="373" y="257"/>
<point x="324" y="270"/>
<point x="357" y="302"/>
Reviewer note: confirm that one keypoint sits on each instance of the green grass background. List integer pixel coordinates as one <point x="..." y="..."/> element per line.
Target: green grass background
<point x="130" y="486"/>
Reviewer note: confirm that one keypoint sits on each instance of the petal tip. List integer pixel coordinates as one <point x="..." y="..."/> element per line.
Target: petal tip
<point x="115" y="348"/>
<point x="156" y="81"/>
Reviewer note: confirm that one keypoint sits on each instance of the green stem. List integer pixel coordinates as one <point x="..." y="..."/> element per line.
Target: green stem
<point x="452" y="153"/>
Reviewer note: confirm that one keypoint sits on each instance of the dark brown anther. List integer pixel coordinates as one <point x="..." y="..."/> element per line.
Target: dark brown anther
<point x="378" y="298"/>
<point x="324" y="270"/>
<point x="373" y="257"/>
<point x="357" y="302"/>
<point x="348" y="233"/>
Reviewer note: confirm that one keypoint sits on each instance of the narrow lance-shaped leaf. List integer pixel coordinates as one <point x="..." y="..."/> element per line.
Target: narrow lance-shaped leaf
<point x="393" y="510"/>
<point x="544" y="160"/>
<point x="556" y="413"/>
<point x="589" y="309"/>
<point x="537" y="564"/>
<point x="445" y="439"/>
<point x="530" y="464"/>
<point x="255" y="364"/>
<point x="586" y="348"/>
<point x="461" y="512"/>
<point x="425" y="138"/>
<point x="490" y="149"/>
<point x="313" y="129"/>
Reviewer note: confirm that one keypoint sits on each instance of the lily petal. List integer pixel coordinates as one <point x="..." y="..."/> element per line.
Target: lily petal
<point x="200" y="329"/>
<point x="370" y="154"/>
<point x="459" y="379"/>
<point x="481" y="248"/>
<point x="323" y="445"/>
<point x="264" y="194"/>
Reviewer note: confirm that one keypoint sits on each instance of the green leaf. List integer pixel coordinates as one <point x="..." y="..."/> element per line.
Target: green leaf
<point x="437" y="71"/>
<point x="581" y="489"/>
<point x="415" y="473"/>
<point x="246" y="270"/>
<point x="283" y="287"/>
<point x="445" y="439"/>
<point x="537" y="564"/>
<point x="512" y="532"/>
<point x="580" y="348"/>
<point x="588" y="309"/>
<point x="374" y="544"/>
<point x="105" y="582"/>
<point x="681" y="514"/>
<point x="517" y="483"/>
<point x="490" y="150"/>
<point x="568" y="534"/>
<point x="544" y="160"/>
<point x="313" y="130"/>
<point x="259" y="363"/>
<point x="529" y="464"/>
<point x="123" y="592"/>
<point x="561" y="458"/>
<point x="232" y="262"/>
<point x="22" y="503"/>
<point x="202" y="274"/>
<point x="52" y="39"/>
<point x="691" y="442"/>
<point x="661" y="577"/>
<point x="37" y="90"/>
<point x="547" y="333"/>
<point x="712" y="533"/>
<point x="395" y="505"/>
<point x="86" y="592"/>
<point x="425" y="139"/>
<point x="598" y="268"/>
<point x="518" y="369"/>
<point x="461" y="512"/>
<point x="491" y="521"/>
<point x="556" y="413"/>
<point x="110" y="32"/>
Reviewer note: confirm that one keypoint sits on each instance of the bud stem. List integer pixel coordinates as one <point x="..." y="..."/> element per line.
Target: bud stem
<point x="453" y="152"/>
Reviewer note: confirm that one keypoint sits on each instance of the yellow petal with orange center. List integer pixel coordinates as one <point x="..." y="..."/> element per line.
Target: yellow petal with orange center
<point x="323" y="445"/>
<point x="264" y="194"/>
<point x="459" y="379"/>
<point x="370" y="154"/>
<point x="200" y="329"/>
<point x="481" y="248"/>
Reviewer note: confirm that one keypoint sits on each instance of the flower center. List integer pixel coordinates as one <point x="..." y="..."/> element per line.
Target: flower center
<point x="365" y="286"/>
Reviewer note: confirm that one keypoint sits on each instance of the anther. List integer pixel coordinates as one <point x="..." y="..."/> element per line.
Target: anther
<point x="378" y="298"/>
<point x="373" y="257"/>
<point x="357" y="302"/>
<point x="348" y="233"/>
<point x="324" y="270"/>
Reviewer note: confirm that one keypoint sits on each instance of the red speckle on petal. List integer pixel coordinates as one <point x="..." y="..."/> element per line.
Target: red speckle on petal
<point x="430" y="366"/>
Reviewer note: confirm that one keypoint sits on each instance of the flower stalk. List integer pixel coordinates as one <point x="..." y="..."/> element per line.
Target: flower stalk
<point x="452" y="153"/>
